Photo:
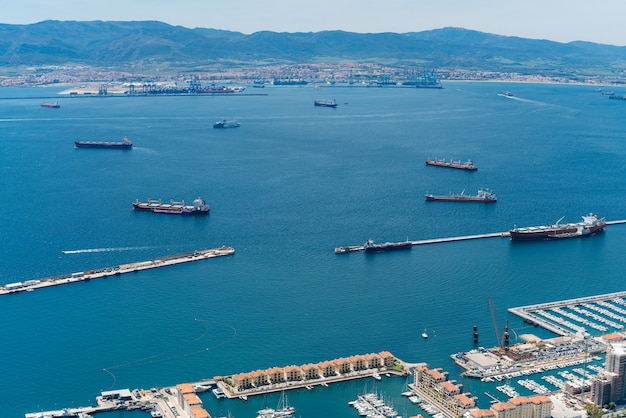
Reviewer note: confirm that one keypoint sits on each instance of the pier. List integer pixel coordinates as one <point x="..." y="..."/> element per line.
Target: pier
<point x="170" y="260"/>
<point x="351" y="248"/>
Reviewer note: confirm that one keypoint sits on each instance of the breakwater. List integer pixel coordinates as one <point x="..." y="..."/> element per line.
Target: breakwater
<point x="170" y="260"/>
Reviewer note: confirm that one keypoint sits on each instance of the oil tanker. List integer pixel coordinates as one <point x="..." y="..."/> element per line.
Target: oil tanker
<point x="590" y="225"/>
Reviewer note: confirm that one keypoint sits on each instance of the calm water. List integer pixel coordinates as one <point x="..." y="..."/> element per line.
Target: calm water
<point x="293" y="182"/>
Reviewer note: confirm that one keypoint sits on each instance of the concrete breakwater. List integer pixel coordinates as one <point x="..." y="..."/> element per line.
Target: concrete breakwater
<point x="30" y="285"/>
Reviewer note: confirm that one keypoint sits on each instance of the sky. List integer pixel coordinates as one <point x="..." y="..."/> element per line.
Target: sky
<point x="600" y="21"/>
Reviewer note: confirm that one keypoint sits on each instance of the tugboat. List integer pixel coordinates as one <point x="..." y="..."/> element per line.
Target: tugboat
<point x="226" y="124"/>
<point x="173" y="208"/>
<point x="468" y="165"/>
<point x="590" y="225"/>
<point x="483" y="196"/>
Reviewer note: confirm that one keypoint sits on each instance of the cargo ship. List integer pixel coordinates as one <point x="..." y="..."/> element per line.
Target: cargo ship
<point x="215" y="89"/>
<point x="590" y="225"/>
<point x="468" y="165"/>
<point x="173" y="208"/>
<point x="483" y="195"/>
<point x="371" y="247"/>
<point x="325" y="103"/>
<point x="54" y="105"/>
<point x="226" y="124"/>
<point x="123" y="144"/>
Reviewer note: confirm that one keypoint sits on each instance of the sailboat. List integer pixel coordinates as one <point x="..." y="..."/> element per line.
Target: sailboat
<point x="283" y="409"/>
<point x="424" y="334"/>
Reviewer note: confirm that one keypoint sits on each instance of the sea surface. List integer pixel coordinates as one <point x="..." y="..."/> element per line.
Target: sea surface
<point x="286" y="188"/>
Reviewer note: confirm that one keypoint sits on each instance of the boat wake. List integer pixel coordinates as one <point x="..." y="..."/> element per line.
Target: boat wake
<point x="102" y="250"/>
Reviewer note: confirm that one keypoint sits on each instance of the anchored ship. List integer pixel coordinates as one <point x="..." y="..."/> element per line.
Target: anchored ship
<point x="123" y="144"/>
<point x="54" y="105"/>
<point x="468" y="165"/>
<point x="174" y="208"/>
<point x="483" y="195"/>
<point x="226" y="124"/>
<point x="371" y="247"/>
<point x="590" y="225"/>
<point x="326" y="103"/>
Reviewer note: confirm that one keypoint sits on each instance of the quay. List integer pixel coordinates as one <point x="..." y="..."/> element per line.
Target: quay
<point x="170" y="260"/>
<point x="351" y="248"/>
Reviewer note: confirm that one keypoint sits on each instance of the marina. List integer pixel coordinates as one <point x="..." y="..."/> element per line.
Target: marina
<point x="31" y="285"/>
<point x="178" y="399"/>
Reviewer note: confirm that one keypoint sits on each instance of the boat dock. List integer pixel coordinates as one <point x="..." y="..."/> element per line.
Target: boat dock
<point x="31" y="285"/>
<point x="505" y="234"/>
<point x="602" y="313"/>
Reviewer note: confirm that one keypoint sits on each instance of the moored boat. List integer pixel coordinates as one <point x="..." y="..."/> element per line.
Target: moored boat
<point x="483" y="196"/>
<point x="468" y="165"/>
<point x="199" y="207"/>
<point x="590" y="225"/>
<point x="226" y="124"/>
<point x="123" y="144"/>
<point x="325" y="103"/>
<point x="371" y="247"/>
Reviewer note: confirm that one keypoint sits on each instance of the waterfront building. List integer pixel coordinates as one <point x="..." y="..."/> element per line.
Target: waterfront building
<point x="601" y="389"/>
<point x="310" y="371"/>
<point x="538" y="406"/>
<point x="613" y="380"/>
<point x="293" y="373"/>
<point x="433" y="386"/>
<point x="327" y="368"/>
<point x="276" y="375"/>
<point x="259" y="378"/>
<point x="242" y="381"/>
<point x="190" y="402"/>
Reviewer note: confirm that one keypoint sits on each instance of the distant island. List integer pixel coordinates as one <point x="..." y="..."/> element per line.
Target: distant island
<point x="52" y="52"/>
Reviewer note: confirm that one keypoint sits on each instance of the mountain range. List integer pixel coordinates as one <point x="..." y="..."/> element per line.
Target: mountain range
<point x="116" y="44"/>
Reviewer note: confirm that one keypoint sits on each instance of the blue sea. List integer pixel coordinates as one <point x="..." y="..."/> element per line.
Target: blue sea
<point x="289" y="185"/>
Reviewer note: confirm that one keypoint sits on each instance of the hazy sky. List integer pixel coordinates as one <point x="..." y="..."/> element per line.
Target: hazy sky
<point x="599" y="21"/>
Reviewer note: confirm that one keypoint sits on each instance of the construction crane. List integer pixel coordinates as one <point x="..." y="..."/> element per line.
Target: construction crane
<point x="493" y="317"/>
<point x="504" y="342"/>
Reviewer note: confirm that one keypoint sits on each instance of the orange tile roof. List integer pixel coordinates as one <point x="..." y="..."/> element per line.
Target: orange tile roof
<point x="185" y="388"/>
<point x="519" y="400"/>
<point x="502" y="406"/>
<point x="539" y="399"/>
<point x="199" y="412"/>
<point x="481" y="413"/>
<point x="464" y="400"/>
<point x="386" y="354"/>
<point x="436" y="374"/>
<point x="449" y="386"/>
<point x="192" y="399"/>
<point x="613" y="337"/>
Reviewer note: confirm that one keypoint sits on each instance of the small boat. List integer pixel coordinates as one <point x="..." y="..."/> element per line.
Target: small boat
<point x="226" y="124"/>
<point x="505" y="93"/>
<point x="123" y="144"/>
<point x="199" y="207"/>
<point x="424" y="334"/>
<point x="376" y="376"/>
<point x="54" y="105"/>
<point x="325" y="103"/>
<point x="219" y="393"/>
<point x="483" y="195"/>
<point x="468" y="165"/>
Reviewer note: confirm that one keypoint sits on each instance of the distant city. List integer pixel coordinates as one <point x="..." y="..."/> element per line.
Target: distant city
<point x="322" y="74"/>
